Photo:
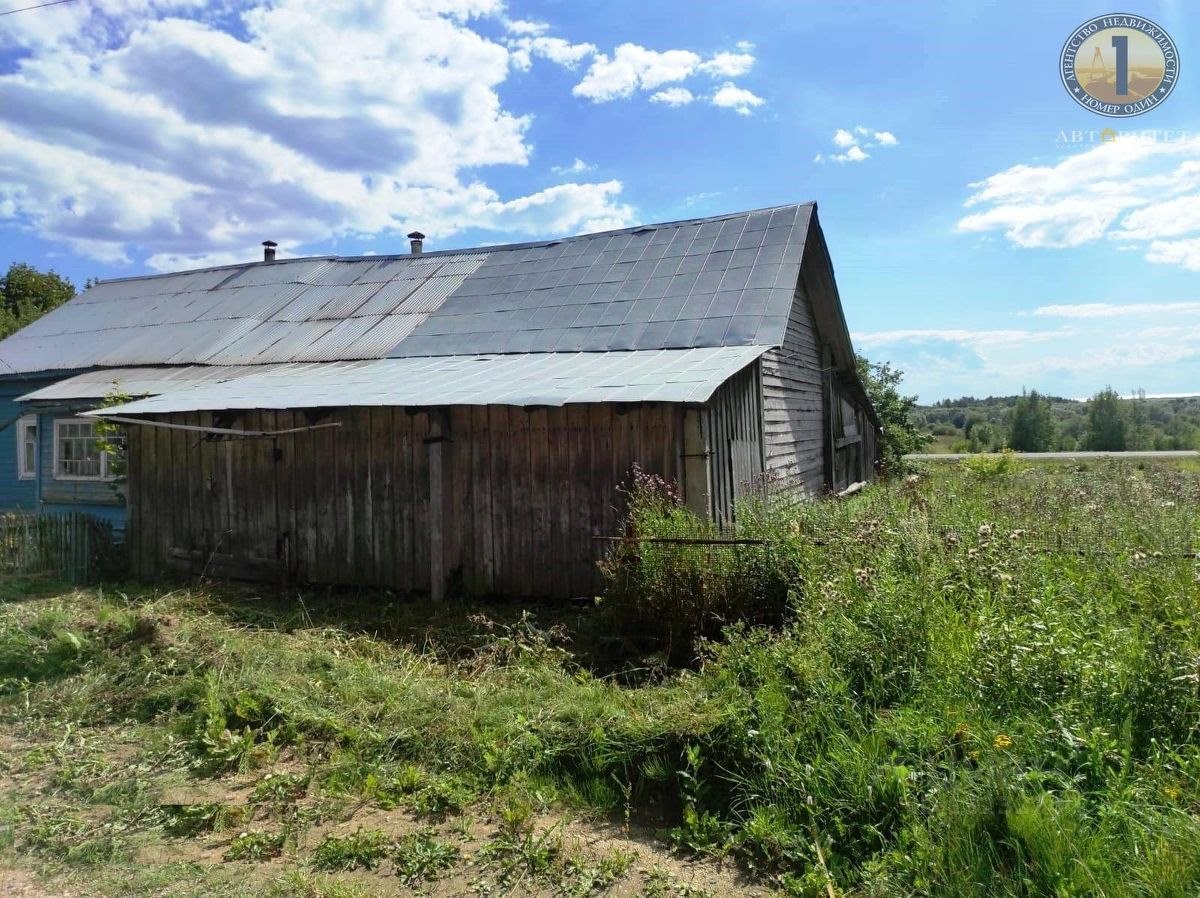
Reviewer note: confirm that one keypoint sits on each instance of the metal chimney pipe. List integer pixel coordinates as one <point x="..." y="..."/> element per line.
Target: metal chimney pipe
<point x="417" y="242"/>
<point x="269" y="250"/>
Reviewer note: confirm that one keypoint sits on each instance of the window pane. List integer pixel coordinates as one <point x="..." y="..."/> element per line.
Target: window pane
<point x="78" y="452"/>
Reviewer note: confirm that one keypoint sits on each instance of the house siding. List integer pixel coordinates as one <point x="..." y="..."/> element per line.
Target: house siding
<point x="793" y="388"/>
<point x="15" y="494"/>
<point x="44" y="493"/>
<point x="733" y="428"/>
<point x="484" y="500"/>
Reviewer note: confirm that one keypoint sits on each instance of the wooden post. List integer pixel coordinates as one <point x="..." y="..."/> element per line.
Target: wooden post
<point x="697" y="473"/>
<point x="435" y="441"/>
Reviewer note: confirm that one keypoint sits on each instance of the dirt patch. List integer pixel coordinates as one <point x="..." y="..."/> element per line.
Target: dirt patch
<point x="22" y="884"/>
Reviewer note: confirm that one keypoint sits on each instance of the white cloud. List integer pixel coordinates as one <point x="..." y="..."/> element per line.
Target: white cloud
<point x="578" y="167"/>
<point x="1110" y="310"/>
<point x="1136" y="190"/>
<point x="727" y="65"/>
<point x="855" y="144"/>
<point x="633" y="68"/>
<point x="740" y="100"/>
<point x="128" y="136"/>
<point x="555" y="49"/>
<point x="976" y="339"/>
<point x="1185" y="253"/>
<point x="673" y="96"/>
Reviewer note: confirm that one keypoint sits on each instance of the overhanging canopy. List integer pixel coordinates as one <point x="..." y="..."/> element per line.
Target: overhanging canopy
<point x="665" y="375"/>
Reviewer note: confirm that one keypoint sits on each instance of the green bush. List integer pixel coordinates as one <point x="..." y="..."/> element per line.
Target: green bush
<point x="677" y="578"/>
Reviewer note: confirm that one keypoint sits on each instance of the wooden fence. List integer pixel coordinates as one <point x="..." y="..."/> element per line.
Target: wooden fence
<point x="77" y="547"/>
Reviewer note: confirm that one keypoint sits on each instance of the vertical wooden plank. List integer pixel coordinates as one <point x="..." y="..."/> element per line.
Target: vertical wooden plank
<point x="306" y="486"/>
<point x="435" y="443"/>
<point x="483" y="569"/>
<point x="501" y="455"/>
<point x="581" y="499"/>
<point x="541" y="498"/>
<point x="363" y="570"/>
<point x="559" y="501"/>
<point x="285" y="489"/>
<point x="380" y="497"/>
<point x="164" y="509"/>
<point x="420" y="488"/>
<point x="326" y="495"/>
<point x="405" y="501"/>
<point x="520" y="518"/>
<point x="460" y="535"/>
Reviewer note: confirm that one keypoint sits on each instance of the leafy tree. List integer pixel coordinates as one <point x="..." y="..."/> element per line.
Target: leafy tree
<point x="1107" y="422"/>
<point x="1031" y="424"/>
<point x="901" y="435"/>
<point x="27" y="294"/>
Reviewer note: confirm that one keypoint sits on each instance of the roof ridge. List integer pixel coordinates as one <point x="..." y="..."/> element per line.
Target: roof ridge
<point x="467" y="250"/>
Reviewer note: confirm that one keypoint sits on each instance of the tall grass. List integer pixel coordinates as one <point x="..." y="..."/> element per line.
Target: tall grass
<point x="956" y="701"/>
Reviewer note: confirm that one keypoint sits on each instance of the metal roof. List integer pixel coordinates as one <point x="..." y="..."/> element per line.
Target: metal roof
<point x="137" y="382"/>
<point x="722" y="281"/>
<point x="666" y="375"/>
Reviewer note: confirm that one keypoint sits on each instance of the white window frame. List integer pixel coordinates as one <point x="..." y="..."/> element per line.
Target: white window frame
<point x="23" y="425"/>
<point x="102" y="476"/>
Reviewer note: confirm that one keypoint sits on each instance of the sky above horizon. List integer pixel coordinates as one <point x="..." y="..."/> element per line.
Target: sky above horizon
<point x="984" y="238"/>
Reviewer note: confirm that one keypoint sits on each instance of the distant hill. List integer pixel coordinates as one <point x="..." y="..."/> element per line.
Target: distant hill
<point x="972" y="424"/>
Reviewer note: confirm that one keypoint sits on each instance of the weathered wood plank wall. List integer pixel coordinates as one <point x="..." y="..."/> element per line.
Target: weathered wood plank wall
<point x="522" y="492"/>
<point x="793" y="403"/>
<point x="733" y="429"/>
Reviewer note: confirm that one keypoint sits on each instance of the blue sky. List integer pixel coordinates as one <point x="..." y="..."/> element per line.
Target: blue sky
<point x="973" y="245"/>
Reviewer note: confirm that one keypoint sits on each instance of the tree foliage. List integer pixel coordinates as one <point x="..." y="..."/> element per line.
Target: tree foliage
<point x="901" y="433"/>
<point x="27" y="294"/>
<point x="1107" y="422"/>
<point x="1031" y="424"/>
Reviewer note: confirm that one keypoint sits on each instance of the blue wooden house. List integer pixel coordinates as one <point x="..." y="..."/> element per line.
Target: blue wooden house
<point x="49" y="460"/>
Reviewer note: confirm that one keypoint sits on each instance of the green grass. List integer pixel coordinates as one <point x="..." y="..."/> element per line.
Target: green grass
<point x="985" y="682"/>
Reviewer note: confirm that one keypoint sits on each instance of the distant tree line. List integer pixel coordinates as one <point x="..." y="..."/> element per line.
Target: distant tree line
<point x="1035" y="422"/>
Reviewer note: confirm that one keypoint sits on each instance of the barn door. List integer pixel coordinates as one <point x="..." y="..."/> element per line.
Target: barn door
<point x="245" y="536"/>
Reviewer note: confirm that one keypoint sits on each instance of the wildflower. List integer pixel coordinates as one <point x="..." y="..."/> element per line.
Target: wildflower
<point x="1172" y="792"/>
<point x="1002" y="741"/>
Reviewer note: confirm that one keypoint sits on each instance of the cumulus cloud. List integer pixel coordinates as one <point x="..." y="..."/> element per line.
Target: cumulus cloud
<point x="632" y="69"/>
<point x="147" y="131"/>
<point x="673" y="96"/>
<point x="740" y="100"/>
<point x="854" y="144"/>
<point x="1140" y="191"/>
<point x="555" y="49"/>
<point x="578" y="167"/>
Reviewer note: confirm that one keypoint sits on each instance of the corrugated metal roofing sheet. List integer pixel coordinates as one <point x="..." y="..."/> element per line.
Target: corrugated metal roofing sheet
<point x="668" y="375"/>
<point x="724" y="281"/>
<point x="137" y="381"/>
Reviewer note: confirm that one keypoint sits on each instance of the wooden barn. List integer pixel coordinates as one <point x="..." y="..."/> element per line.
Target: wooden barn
<point x="460" y="421"/>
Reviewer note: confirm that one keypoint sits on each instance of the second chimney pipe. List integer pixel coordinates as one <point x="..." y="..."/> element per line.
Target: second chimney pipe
<point x="269" y="250"/>
<point x="417" y="242"/>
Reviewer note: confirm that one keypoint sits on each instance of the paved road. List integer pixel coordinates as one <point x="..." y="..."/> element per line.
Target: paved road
<point x="955" y="456"/>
